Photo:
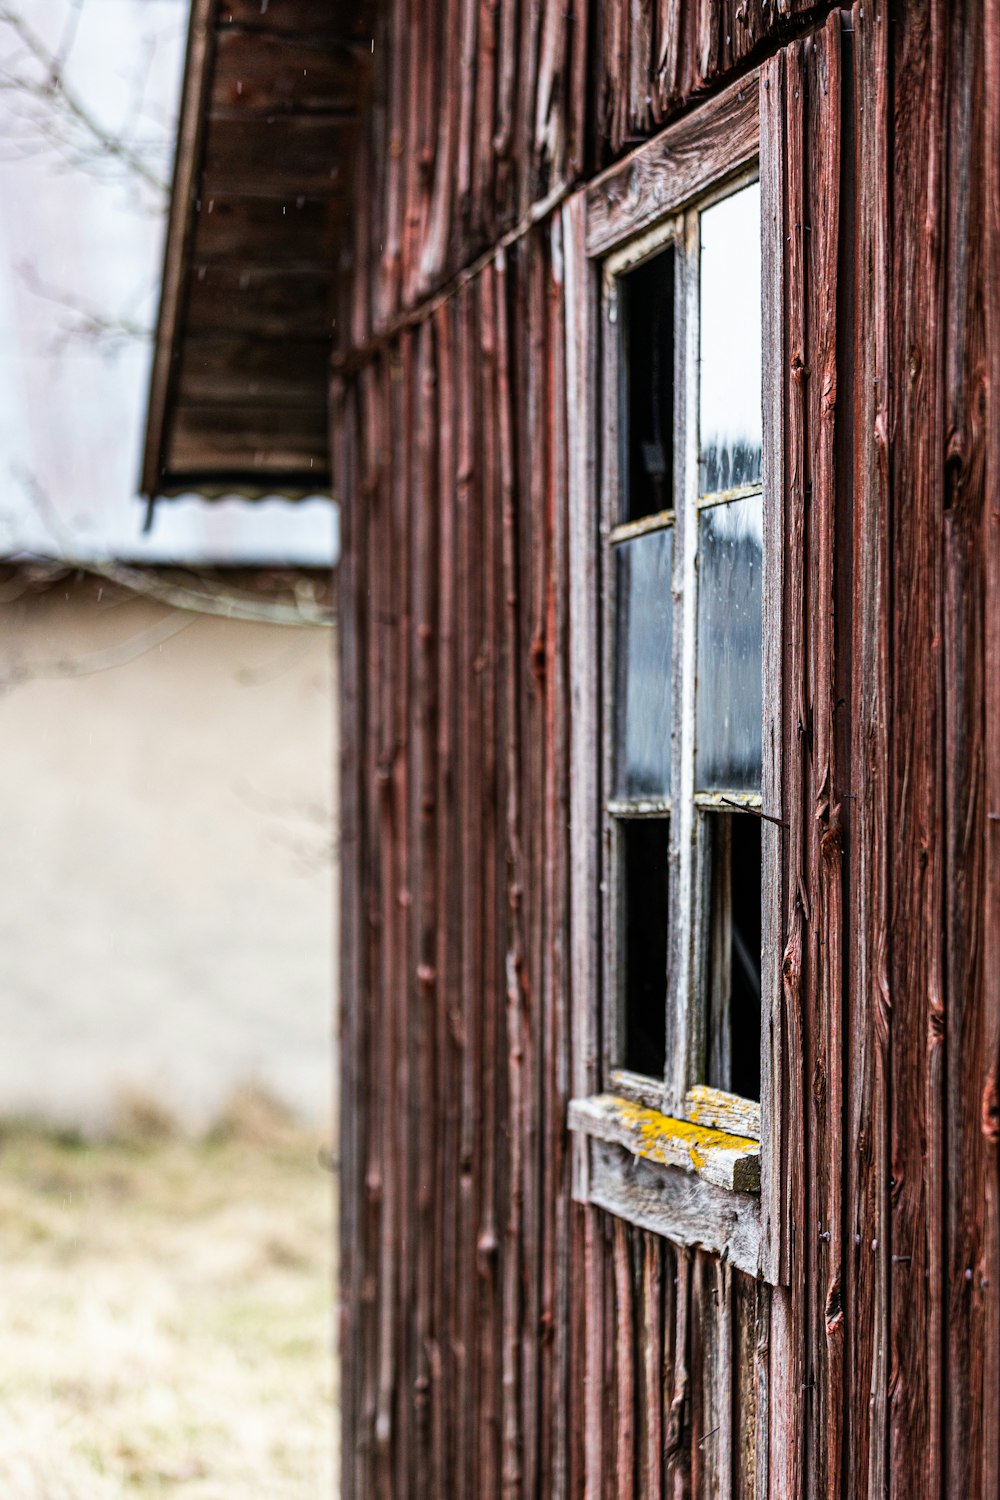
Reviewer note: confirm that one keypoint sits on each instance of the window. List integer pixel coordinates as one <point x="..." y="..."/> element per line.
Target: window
<point x="679" y="704"/>
<point x="682" y="577"/>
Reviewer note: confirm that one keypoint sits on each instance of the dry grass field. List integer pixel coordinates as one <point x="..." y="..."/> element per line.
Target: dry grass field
<point x="165" y="1313"/>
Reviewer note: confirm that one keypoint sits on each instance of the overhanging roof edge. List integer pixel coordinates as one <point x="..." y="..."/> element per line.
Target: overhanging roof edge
<point x="190" y="130"/>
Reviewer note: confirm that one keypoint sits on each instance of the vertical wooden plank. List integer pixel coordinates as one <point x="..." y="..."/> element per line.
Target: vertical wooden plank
<point x="390" y="254"/>
<point x="578" y="111"/>
<point x="625" y="1368"/>
<point x="525" y="161"/>
<point x="584" y="734"/>
<point x="483" y="484"/>
<point x="422" y="1104"/>
<point x="823" y="855"/>
<point x="773" y="1083"/>
<point x="481" y="217"/>
<point x="554" y="1381"/>
<point x="449" y="1430"/>
<point x="788" y="1449"/>
<point x="401" y="1371"/>
<point x="505" y="114"/>
<point x="867" y="1023"/>
<point x="964" y="688"/>
<point x="745" y="1309"/>
<point x="552" y="105"/>
<point x="515" y="972"/>
<point x="711" y="1455"/>
<point x="351" y="974"/>
<point x="679" y="1422"/>
<point x="990" y="1122"/>
<point x="640" y="96"/>
<point x="370" y="1061"/>
<point x="650" y="1338"/>
<point x="916" y="418"/>
<point x="434" y="250"/>
<point x="670" y="16"/>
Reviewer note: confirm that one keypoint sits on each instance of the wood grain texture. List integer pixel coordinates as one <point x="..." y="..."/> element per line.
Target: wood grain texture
<point x="501" y="1338"/>
<point x="664" y="175"/>
<point x="716" y="1156"/>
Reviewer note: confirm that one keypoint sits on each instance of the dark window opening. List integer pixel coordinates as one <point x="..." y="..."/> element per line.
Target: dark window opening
<point x="733" y="968"/>
<point x="647" y="296"/>
<point x="645" y="874"/>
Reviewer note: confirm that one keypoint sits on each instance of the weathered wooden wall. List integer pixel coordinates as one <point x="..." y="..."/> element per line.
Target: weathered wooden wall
<point x="467" y="1269"/>
<point x="486" y="110"/>
<point x="498" y="1338"/>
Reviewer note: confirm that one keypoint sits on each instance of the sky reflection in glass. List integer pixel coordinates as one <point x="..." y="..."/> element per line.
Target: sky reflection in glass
<point x="729" y="646"/>
<point x="643" y="680"/>
<point x="730" y="395"/>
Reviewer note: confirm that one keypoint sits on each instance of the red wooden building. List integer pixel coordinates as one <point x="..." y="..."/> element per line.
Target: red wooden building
<point x="652" y="349"/>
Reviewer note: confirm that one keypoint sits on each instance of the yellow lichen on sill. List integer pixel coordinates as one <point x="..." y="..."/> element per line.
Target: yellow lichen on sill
<point x="717" y="1156"/>
<point x="722" y="1111"/>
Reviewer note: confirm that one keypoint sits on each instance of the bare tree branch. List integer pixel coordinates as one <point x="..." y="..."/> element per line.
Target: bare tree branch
<point x="88" y="323"/>
<point x="52" y="89"/>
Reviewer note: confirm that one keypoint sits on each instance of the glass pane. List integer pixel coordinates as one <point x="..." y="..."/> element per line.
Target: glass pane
<point x="643" y="637"/>
<point x="730" y="403"/>
<point x="729" y="646"/>
<point x="647" y="297"/>
<point x="733" y="968"/>
<point x="645" y="870"/>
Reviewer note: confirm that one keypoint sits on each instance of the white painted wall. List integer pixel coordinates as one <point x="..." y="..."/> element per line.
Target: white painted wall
<point x="166" y="872"/>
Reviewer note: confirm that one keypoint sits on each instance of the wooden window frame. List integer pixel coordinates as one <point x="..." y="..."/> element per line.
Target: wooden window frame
<point x="676" y="1159"/>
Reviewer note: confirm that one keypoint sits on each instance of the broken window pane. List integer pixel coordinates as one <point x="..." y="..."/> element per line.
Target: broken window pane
<point x="643" y="644"/>
<point x="647" y="299"/>
<point x="729" y="646"/>
<point x="645" y="876"/>
<point x="730" y="383"/>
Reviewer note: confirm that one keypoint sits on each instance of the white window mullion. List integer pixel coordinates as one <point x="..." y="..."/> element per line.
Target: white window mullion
<point x="685" y="1026"/>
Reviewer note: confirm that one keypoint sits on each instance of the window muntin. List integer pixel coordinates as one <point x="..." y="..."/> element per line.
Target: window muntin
<point x="696" y="647"/>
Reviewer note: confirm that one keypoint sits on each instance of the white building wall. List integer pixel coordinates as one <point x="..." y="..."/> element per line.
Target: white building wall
<point x="166" y="864"/>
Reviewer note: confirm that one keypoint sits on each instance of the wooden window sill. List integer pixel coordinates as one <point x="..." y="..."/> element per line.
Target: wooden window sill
<point x="691" y="1184"/>
<point x="716" y="1156"/>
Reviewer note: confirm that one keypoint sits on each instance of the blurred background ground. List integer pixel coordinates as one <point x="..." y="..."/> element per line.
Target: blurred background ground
<point x="166" y="1311"/>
